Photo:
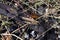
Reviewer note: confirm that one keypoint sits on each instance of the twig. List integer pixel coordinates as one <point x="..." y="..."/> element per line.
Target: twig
<point x="36" y="10"/>
<point x="30" y="20"/>
<point x="12" y="35"/>
<point x="17" y="37"/>
<point x="19" y="28"/>
<point x="31" y="7"/>
<point x="47" y="30"/>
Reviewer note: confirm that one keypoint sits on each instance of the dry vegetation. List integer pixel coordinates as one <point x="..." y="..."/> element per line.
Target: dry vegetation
<point x="29" y="19"/>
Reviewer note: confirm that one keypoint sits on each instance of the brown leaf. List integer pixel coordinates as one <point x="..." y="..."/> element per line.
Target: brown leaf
<point x="34" y="16"/>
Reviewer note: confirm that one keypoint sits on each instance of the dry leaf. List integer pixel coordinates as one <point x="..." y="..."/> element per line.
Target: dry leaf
<point x="34" y="16"/>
